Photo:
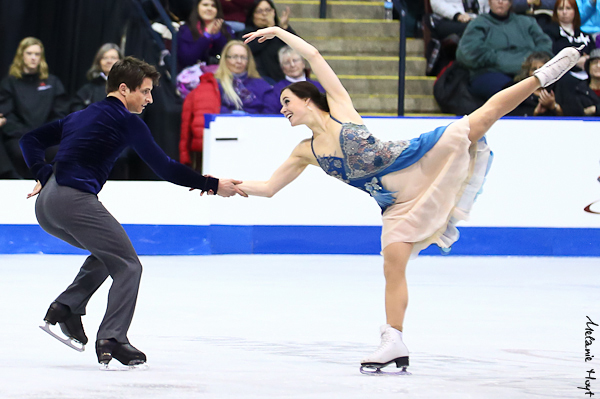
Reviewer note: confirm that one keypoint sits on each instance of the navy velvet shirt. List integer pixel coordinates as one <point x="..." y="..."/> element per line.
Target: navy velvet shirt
<point x="90" y="142"/>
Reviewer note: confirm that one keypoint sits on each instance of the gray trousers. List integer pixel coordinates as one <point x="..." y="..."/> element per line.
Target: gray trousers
<point x="81" y="220"/>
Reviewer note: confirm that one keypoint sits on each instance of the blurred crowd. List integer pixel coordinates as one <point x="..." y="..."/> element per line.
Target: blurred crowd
<point x="217" y="73"/>
<point x="478" y="47"/>
<point x="474" y="47"/>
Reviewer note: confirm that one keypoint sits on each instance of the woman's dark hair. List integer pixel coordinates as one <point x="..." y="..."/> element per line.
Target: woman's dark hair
<point x="194" y="19"/>
<point x="250" y="15"/>
<point x="132" y="72"/>
<point x="576" y="17"/>
<point x="306" y="90"/>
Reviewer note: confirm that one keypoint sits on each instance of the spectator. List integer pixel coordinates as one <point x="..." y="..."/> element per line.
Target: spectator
<point x="565" y="32"/>
<point x="235" y="12"/>
<point x="541" y="10"/>
<point x="203" y="36"/>
<point x="241" y="88"/>
<point x="294" y="68"/>
<point x="263" y="14"/>
<point x="452" y="16"/>
<point x="542" y="102"/>
<point x="589" y="11"/>
<point x="448" y="23"/>
<point x="29" y="98"/>
<point x="7" y="170"/>
<point x="579" y="97"/>
<point x="495" y="45"/>
<point x="531" y="6"/>
<point x="95" y="89"/>
<point x="204" y="99"/>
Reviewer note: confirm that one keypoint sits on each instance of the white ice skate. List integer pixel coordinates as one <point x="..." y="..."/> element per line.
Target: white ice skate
<point x="391" y="350"/>
<point x="70" y="342"/>
<point x="554" y="69"/>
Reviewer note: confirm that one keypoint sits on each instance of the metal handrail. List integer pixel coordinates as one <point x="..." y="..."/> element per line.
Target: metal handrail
<point x="323" y="9"/>
<point x="400" y="6"/>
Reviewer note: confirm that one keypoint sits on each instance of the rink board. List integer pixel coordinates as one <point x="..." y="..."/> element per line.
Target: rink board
<point x="358" y="240"/>
<point x="543" y="176"/>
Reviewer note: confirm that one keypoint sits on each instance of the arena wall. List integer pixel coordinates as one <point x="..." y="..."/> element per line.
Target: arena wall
<point x="543" y="176"/>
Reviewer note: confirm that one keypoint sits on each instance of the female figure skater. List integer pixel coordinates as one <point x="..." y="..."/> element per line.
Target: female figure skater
<point x="424" y="185"/>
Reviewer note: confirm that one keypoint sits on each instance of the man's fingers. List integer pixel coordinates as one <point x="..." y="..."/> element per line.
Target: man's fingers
<point x="240" y="192"/>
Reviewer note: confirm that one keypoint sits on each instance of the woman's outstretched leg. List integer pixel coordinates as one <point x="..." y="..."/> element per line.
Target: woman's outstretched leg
<point x="499" y="105"/>
<point x="508" y="99"/>
<point x="392" y="348"/>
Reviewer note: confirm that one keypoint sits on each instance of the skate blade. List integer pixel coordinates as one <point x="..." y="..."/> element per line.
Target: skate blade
<point x="122" y="367"/>
<point x="371" y="370"/>
<point x="71" y="343"/>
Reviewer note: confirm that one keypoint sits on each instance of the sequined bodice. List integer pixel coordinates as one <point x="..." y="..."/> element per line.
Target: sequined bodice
<point x="363" y="154"/>
<point x="366" y="159"/>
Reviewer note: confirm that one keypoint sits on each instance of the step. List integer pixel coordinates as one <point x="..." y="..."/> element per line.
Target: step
<point x="345" y="27"/>
<point x="364" y="45"/>
<point x="388" y="103"/>
<point x="336" y="9"/>
<point x="370" y="65"/>
<point x="413" y="85"/>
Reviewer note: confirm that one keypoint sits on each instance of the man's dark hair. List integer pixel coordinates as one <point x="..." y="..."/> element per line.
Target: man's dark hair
<point x="132" y="72"/>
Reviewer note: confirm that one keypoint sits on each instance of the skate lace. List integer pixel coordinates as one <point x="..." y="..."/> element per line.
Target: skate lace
<point x="386" y="339"/>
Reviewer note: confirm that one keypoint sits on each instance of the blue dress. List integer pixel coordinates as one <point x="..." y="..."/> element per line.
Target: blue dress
<point x="366" y="159"/>
<point x="423" y="185"/>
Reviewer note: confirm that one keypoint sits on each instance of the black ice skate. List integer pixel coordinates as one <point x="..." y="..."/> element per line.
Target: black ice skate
<point x="70" y="324"/>
<point x="392" y="350"/>
<point x="107" y="349"/>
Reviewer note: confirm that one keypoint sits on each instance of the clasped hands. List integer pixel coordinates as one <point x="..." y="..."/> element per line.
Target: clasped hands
<point x="546" y="102"/>
<point x="226" y="188"/>
<point x="214" y="26"/>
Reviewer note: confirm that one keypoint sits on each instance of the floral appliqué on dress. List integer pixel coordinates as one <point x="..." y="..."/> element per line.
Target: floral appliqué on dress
<point x="364" y="157"/>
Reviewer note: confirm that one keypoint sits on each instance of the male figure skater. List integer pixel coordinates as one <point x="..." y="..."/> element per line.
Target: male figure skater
<point x="68" y="207"/>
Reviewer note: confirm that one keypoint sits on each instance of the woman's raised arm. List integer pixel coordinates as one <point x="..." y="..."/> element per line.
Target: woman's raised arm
<point x="326" y="76"/>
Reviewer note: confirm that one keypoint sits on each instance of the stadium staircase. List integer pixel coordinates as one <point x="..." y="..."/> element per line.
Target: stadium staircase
<point x="362" y="48"/>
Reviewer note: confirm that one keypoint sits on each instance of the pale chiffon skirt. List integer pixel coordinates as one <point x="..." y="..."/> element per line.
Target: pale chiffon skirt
<point x="437" y="191"/>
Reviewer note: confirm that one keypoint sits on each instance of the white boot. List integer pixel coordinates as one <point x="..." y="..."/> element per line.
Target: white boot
<point x="554" y="69"/>
<point x="391" y="350"/>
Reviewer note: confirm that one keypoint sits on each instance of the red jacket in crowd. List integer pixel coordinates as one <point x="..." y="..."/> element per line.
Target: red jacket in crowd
<point x="204" y="99"/>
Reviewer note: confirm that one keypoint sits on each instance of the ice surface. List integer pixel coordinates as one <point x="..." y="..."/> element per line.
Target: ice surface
<point x="297" y="326"/>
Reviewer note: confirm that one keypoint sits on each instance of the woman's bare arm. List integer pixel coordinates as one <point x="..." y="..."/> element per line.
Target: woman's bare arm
<point x="284" y="175"/>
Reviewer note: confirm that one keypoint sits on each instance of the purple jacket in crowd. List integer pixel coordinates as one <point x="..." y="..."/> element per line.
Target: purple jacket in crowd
<point x="190" y="51"/>
<point x="254" y="99"/>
